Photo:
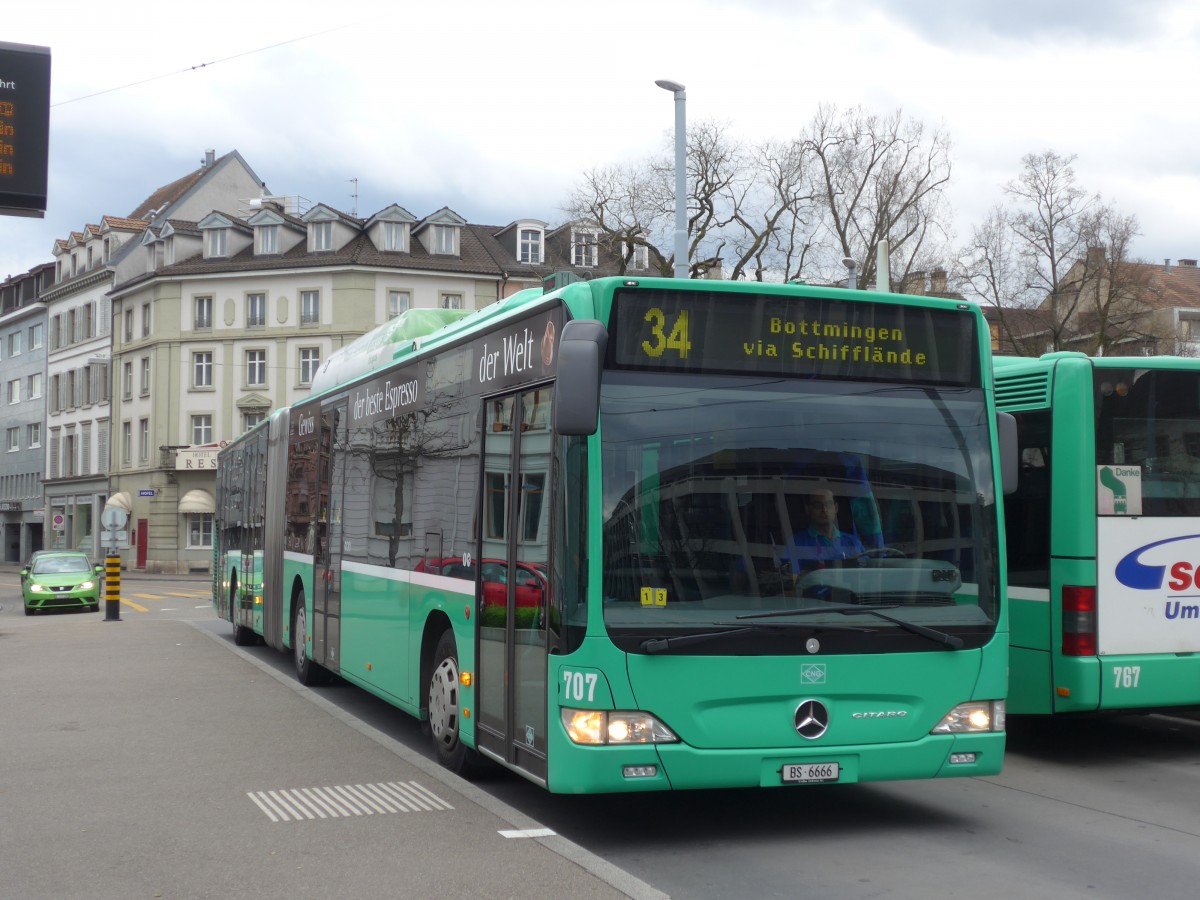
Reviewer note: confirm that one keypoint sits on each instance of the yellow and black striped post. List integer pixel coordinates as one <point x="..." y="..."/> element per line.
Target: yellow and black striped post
<point x="112" y="589"/>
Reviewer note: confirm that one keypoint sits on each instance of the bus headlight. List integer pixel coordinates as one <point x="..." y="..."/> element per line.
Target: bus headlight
<point x="972" y="718"/>
<point x="600" y="726"/>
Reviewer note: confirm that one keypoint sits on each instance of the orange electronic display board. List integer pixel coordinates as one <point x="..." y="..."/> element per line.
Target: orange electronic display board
<point x="24" y="128"/>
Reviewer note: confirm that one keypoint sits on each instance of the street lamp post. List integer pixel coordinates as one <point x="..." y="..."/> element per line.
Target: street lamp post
<point x="851" y="273"/>
<point x="681" y="240"/>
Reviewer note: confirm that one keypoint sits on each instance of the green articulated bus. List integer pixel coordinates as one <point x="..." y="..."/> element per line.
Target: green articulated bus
<point x="1103" y="532"/>
<point x="643" y="534"/>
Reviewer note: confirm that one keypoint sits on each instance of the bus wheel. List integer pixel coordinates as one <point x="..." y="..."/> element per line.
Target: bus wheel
<point x="444" y="710"/>
<point x="306" y="670"/>
<point x="242" y="636"/>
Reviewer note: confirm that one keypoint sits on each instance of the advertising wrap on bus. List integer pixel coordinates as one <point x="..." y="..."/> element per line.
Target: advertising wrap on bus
<point x="1148" y="599"/>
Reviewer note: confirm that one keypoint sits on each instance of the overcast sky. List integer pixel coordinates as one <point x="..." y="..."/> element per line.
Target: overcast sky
<point x="495" y="109"/>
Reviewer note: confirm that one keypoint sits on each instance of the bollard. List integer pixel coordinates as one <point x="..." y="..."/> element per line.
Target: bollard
<point x="112" y="589"/>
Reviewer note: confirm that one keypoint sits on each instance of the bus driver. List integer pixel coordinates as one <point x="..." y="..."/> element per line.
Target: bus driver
<point x="822" y="542"/>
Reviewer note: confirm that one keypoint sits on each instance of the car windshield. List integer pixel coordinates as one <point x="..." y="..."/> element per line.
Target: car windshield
<point x="729" y="497"/>
<point x="60" y="565"/>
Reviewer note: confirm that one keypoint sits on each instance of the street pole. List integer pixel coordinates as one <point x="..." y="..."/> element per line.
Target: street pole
<point x="681" y="237"/>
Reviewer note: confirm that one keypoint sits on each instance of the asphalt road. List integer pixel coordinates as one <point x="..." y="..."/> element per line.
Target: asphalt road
<point x="1106" y="808"/>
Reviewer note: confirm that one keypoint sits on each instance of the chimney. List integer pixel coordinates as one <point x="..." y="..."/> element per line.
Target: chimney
<point x="210" y="157"/>
<point x="1095" y="256"/>
<point x="937" y="281"/>
<point x="1166" y="265"/>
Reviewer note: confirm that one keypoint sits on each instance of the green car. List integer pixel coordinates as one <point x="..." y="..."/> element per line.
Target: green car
<point x="61" y="579"/>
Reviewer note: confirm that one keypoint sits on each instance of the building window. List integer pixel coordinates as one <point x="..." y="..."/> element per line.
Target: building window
<point x="583" y="249"/>
<point x="35" y="434"/>
<point x="256" y="368"/>
<point x="445" y="239"/>
<point x="310" y="361"/>
<point x="202" y="429"/>
<point x="202" y="369"/>
<point x="310" y="307"/>
<point x="126" y="443"/>
<point x="14" y="391"/>
<point x="145" y="381"/>
<point x="451" y="301"/>
<point x="35" y="385"/>
<point x="268" y="239"/>
<point x="322" y="235"/>
<point x="202" y="320"/>
<point x="393" y="236"/>
<point x="250" y="419"/>
<point x="398" y="302"/>
<point x="639" y="259"/>
<point x="145" y="320"/>
<point x="531" y="246"/>
<point x="127" y="381"/>
<point x="14" y="344"/>
<point x="256" y="310"/>
<point x="14" y="439"/>
<point x="35" y="337"/>
<point x="200" y="530"/>
<point x="143" y="441"/>
<point x="218" y="241"/>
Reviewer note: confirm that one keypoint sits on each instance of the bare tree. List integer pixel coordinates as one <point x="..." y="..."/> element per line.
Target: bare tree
<point x="1054" y="263"/>
<point x="878" y="178"/>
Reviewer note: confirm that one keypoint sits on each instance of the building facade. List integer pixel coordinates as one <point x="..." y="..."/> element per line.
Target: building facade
<point x="22" y="412"/>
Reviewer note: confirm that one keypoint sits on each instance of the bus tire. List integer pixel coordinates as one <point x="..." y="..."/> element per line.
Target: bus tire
<point x="444" y="713"/>
<point x="308" y="673"/>
<point x="242" y="636"/>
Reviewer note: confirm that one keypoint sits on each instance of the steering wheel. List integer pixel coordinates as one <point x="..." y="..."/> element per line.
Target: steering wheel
<point x="882" y="553"/>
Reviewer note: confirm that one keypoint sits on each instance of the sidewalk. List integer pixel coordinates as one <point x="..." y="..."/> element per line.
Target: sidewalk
<point x="156" y="759"/>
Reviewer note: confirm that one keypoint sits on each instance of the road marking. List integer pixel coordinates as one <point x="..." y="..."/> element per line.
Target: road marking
<point x="528" y="833"/>
<point x="136" y="606"/>
<point x="344" y="801"/>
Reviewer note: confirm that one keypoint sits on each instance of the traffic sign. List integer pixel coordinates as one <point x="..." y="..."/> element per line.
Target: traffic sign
<point x="112" y="538"/>
<point x="113" y="518"/>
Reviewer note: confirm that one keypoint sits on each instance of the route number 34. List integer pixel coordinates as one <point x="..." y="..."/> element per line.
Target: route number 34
<point x="1126" y="676"/>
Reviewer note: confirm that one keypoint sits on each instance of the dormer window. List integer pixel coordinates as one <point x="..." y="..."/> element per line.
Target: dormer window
<point x="531" y="246"/>
<point x="218" y="242"/>
<point x="169" y="251"/>
<point x="268" y="239"/>
<point x="583" y="249"/>
<point x="639" y="259"/>
<point x="321" y="235"/>
<point x="445" y="239"/>
<point x="393" y="236"/>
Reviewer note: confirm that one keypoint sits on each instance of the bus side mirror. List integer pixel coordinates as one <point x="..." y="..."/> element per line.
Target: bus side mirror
<point x="580" y="364"/>
<point x="1010" y="462"/>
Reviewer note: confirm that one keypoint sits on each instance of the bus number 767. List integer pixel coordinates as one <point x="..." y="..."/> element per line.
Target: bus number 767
<point x="1126" y="676"/>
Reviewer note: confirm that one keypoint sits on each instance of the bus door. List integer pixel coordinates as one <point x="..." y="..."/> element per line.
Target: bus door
<point x="511" y="582"/>
<point x="327" y="569"/>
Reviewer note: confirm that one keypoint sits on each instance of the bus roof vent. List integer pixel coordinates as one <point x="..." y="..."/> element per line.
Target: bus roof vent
<point x="1027" y="389"/>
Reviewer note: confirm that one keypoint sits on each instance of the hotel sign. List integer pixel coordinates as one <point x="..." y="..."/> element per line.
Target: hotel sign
<point x="197" y="459"/>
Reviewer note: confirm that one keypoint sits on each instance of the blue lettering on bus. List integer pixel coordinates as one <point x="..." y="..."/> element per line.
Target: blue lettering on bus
<point x="1133" y="573"/>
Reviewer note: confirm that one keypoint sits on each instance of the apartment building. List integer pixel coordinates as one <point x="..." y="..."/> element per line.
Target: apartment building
<point x="22" y="412"/>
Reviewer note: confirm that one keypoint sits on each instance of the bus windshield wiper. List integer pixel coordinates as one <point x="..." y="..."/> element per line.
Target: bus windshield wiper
<point x="660" y="645"/>
<point x="954" y="642"/>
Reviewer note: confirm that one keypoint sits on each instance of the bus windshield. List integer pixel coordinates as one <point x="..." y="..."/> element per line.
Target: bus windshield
<point x="1148" y="421"/>
<point x="730" y="500"/>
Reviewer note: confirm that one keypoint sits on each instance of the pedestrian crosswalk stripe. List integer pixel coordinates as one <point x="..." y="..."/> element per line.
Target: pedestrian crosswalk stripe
<point x="344" y="801"/>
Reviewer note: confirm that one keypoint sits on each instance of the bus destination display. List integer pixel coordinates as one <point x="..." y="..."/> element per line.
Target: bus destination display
<point x="769" y="334"/>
